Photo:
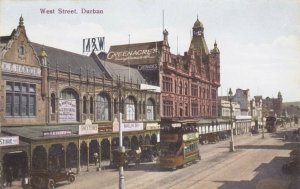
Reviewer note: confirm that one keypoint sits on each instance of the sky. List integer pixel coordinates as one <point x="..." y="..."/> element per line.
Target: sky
<point x="259" y="41"/>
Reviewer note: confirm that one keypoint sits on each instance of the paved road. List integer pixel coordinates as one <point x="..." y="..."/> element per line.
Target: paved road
<point x="256" y="163"/>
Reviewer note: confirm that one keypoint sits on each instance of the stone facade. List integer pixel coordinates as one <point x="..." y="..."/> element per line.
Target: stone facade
<point x="20" y="65"/>
<point x="46" y="93"/>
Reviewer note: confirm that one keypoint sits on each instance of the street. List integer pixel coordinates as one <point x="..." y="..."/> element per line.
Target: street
<point x="256" y="163"/>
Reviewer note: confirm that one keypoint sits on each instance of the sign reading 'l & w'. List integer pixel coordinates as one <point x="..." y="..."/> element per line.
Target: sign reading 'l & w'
<point x="93" y="44"/>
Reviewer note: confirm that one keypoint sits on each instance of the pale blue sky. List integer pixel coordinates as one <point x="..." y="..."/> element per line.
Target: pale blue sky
<point x="259" y="40"/>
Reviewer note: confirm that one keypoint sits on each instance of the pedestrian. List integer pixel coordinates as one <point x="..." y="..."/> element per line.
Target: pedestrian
<point x="9" y="177"/>
<point x="297" y="137"/>
<point x="95" y="158"/>
<point x="285" y="136"/>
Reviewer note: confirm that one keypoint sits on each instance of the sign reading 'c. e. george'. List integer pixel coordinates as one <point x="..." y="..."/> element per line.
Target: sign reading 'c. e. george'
<point x="93" y="44"/>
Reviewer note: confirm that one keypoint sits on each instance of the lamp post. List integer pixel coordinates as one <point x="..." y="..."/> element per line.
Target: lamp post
<point x="262" y="127"/>
<point x="231" y="148"/>
<point x="121" y="147"/>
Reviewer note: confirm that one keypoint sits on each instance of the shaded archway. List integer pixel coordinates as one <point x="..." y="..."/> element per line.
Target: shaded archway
<point x="134" y="143"/>
<point x="56" y="158"/>
<point x="126" y="142"/>
<point x="17" y="163"/>
<point x="141" y="140"/>
<point x="105" y="149"/>
<point x="153" y="139"/>
<point x="72" y="155"/>
<point x="147" y="140"/>
<point x="115" y="143"/>
<point x="39" y="158"/>
<point x="93" y="149"/>
<point x="83" y="153"/>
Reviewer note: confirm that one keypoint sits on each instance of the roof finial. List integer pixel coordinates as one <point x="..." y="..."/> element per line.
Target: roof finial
<point x="197" y="16"/>
<point x="43" y="52"/>
<point x="21" y="21"/>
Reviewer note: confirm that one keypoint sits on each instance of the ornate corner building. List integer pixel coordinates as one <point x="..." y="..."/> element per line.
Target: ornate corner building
<point x="189" y="83"/>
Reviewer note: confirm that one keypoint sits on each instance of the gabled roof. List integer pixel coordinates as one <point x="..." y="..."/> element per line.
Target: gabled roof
<point x="124" y="72"/>
<point x="135" y="54"/>
<point x="69" y="61"/>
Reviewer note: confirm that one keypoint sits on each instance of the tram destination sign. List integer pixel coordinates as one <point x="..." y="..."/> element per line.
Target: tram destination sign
<point x="9" y="140"/>
<point x="190" y="136"/>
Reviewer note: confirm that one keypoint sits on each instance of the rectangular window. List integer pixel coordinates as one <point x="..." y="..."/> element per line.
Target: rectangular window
<point x="168" y="108"/>
<point x="194" y="109"/>
<point x="20" y="99"/>
<point x="194" y="90"/>
<point x="167" y="84"/>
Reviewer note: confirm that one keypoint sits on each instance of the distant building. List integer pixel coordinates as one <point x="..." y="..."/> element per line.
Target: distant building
<point x="242" y="97"/>
<point x="272" y="106"/>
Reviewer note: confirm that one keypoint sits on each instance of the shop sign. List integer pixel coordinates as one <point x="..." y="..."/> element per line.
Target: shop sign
<point x="67" y="111"/>
<point x="115" y="125"/>
<point x="132" y="126"/>
<point x="57" y="133"/>
<point x="148" y="67"/>
<point x="190" y="136"/>
<point x="9" y="140"/>
<point x="134" y="54"/>
<point x="176" y="124"/>
<point x="93" y="44"/>
<point x="21" y="69"/>
<point x="88" y="129"/>
<point x="152" y="126"/>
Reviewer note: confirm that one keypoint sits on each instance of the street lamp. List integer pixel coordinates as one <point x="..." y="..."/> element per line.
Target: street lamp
<point x="262" y="126"/>
<point x="121" y="147"/>
<point x="231" y="148"/>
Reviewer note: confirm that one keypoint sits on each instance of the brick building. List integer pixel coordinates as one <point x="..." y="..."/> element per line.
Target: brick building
<point x="189" y="83"/>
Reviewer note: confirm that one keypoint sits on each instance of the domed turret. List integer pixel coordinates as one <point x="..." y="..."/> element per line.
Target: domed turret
<point x="198" y="28"/>
<point x="198" y="24"/>
<point x="215" y="49"/>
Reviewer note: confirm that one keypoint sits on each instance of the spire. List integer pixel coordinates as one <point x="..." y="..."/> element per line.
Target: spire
<point x="21" y="21"/>
<point x="215" y="49"/>
<point x="166" y="33"/>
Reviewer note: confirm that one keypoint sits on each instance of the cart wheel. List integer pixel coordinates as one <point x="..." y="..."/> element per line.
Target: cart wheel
<point x="51" y="184"/>
<point x="71" y="178"/>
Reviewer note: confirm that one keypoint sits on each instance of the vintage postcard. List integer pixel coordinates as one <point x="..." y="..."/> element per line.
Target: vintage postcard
<point x="149" y="94"/>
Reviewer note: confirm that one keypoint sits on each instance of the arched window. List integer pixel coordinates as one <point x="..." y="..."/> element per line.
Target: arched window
<point x="180" y="87"/>
<point x="52" y="103"/>
<point x="130" y="108"/>
<point x="84" y="105"/>
<point x="150" y="109"/>
<point x="91" y="105"/>
<point x="68" y="106"/>
<point x="103" y="107"/>
<point x="185" y="89"/>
